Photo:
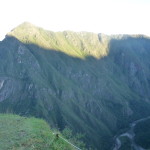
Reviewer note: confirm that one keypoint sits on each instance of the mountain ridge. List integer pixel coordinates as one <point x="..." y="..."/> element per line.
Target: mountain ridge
<point x="98" y="94"/>
<point x="97" y="48"/>
<point x="27" y="24"/>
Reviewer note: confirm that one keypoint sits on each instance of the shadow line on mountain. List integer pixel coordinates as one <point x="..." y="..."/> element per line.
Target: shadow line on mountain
<point x="90" y="69"/>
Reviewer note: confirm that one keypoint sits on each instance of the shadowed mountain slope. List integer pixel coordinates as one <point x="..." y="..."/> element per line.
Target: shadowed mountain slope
<point x="95" y="84"/>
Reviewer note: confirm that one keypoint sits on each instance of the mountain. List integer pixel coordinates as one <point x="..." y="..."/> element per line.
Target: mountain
<point x="28" y="133"/>
<point x="142" y="134"/>
<point x="94" y="84"/>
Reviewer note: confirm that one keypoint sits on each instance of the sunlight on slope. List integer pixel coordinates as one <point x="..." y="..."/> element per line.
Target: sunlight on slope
<point x="76" y="44"/>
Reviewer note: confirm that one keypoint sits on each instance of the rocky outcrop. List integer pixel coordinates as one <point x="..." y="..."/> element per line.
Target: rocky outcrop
<point x="95" y="84"/>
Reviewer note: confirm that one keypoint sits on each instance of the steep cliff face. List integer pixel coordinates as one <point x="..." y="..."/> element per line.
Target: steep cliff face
<point x="93" y="83"/>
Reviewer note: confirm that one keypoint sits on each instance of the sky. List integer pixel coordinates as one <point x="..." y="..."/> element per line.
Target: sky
<point x="98" y="16"/>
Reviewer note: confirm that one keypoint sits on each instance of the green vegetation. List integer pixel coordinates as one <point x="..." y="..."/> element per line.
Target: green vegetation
<point x="21" y="133"/>
<point x="125" y="143"/>
<point x="76" y="139"/>
<point x="92" y="83"/>
<point x="74" y="44"/>
<point x="142" y="134"/>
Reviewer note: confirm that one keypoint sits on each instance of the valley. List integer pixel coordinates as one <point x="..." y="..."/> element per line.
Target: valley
<point x="94" y="84"/>
<point x="130" y="134"/>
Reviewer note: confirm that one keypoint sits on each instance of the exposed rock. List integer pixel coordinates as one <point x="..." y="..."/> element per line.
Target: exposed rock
<point x="1" y="83"/>
<point x="92" y="83"/>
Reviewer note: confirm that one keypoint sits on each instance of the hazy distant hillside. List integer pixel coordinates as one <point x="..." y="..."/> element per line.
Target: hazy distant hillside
<point x="93" y="83"/>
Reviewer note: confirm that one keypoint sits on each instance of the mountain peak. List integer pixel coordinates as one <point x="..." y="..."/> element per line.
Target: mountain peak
<point x="22" y="29"/>
<point x="76" y="44"/>
<point x="96" y="97"/>
<point x="26" y="23"/>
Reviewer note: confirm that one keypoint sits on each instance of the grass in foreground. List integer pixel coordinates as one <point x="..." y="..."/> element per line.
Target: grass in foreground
<point x="21" y="133"/>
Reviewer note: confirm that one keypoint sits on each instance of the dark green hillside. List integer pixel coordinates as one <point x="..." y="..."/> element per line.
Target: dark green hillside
<point x="142" y="134"/>
<point x="93" y="83"/>
<point x="21" y="133"/>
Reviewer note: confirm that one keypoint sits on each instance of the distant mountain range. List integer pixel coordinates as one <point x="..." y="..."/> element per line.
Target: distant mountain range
<point x="93" y="83"/>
